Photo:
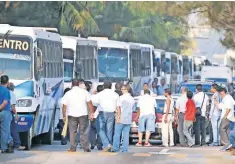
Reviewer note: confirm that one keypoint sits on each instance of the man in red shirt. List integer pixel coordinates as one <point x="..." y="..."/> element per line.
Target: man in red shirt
<point x="189" y="118"/>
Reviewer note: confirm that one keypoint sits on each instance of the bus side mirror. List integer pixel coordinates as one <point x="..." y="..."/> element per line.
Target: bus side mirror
<point x="39" y="60"/>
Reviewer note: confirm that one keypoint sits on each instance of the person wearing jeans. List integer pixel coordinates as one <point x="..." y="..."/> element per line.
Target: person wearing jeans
<point x="215" y="115"/>
<point x="123" y="120"/>
<point x="189" y="118"/>
<point x="108" y="101"/>
<point x="5" y="117"/>
<point x="201" y="101"/>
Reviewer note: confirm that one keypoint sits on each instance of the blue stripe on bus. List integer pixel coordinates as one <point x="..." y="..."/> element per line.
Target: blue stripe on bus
<point x="24" y="89"/>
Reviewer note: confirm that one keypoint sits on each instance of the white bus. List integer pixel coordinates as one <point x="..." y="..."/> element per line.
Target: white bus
<point x="113" y="60"/>
<point x="33" y="60"/>
<point x="86" y="61"/>
<point x="180" y="70"/>
<point x="187" y="68"/>
<point x="69" y="52"/>
<point x="141" y="65"/>
<point x="158" y="63"/>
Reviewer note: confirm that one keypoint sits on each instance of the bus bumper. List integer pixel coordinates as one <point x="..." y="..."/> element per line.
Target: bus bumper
<point x="25" y="122"/>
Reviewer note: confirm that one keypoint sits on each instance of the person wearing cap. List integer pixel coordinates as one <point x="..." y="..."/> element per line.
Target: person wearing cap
<point x="179" y="114"/>
<point x="5" y="116"/>
<point x="215" y="114"/>
<point x="75" y="104"/>
<point x="227" y="115"/>
<point x="108" y="100"/>
<point x="202" y="104"/>
<point x="162" y="87"/>
<point x="14" y="132"/>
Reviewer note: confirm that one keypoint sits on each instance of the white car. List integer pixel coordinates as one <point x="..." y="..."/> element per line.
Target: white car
<point x="158" y="122"/>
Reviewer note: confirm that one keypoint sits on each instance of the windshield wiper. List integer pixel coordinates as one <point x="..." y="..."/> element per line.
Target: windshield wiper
<point x="6" y="34"/>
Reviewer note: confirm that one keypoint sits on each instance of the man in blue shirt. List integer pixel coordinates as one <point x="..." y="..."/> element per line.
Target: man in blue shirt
<point x="162" y="87"/>
<point x="5" y="116"/>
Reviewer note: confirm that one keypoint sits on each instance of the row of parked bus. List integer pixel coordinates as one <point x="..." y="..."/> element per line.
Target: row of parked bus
<point x="41" y="64"/>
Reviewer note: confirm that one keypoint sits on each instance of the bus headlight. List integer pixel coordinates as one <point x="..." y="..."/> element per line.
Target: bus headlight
<point x="24" y="103"/>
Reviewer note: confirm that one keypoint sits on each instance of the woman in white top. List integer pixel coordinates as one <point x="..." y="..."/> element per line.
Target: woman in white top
<point x="167" y="119"/>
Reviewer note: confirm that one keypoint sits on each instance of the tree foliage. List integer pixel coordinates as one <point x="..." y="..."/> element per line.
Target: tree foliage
<point x="162" y="24"/>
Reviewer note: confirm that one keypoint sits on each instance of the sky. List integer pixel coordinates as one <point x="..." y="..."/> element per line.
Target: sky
<point x="207" y="39"/>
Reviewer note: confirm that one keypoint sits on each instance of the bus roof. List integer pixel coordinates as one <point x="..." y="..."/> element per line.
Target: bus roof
<point x="111" y="43"/>
<point x="69" y="42"/>
<point x="34" y="33"/>
<point x="86" y="42"/>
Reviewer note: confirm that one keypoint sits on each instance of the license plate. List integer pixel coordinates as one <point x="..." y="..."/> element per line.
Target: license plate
<point x="158" y="125"/>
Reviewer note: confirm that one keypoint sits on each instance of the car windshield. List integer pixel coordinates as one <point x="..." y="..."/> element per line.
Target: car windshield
<point x="160" y="106"/>
<point x="16" y="66"/>
<point x="220" y="80"/>
<point x="113" y="64"/>
<point x="192" y="87"/>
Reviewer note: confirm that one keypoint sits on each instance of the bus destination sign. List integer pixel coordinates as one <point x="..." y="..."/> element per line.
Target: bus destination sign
<point x="15" y="45"/>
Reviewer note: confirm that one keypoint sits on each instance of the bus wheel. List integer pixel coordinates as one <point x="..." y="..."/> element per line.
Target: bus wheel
<point x="26" y="138"/>
<point x="48" y="137"/>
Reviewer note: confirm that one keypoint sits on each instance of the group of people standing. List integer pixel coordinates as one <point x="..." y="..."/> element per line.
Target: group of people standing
<point x="220" y="113"/>
<point x="9" y="135"/>
<point x="101" y="118"/>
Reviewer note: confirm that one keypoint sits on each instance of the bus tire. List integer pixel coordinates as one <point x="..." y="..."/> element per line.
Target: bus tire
<point x="48" y="137"/>
<point x="26" y="139"/>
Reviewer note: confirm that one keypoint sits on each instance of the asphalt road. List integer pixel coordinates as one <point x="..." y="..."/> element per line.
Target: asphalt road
<point x="56" y="154"/>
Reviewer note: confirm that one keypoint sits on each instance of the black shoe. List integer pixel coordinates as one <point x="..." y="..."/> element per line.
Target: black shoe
<point x="7" y="151"/>
<point x="92" y="147"/>
<point x="99" y="148"/>
<point x="87" y="150"/>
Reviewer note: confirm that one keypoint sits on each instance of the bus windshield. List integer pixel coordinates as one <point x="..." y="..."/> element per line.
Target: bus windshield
<point x="192" y="87"/>
<point x="68" y="72"/>
<point x="113" y="64"/>
<point x="16" y="66"/>
<point x="68" y="57"/>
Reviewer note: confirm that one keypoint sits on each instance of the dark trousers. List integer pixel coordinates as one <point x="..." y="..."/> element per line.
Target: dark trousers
<point x="14" y="133"/>
<point x="94" y="134"/>
<point x="60" y="127"/>
<point x="83" y="123"/>
<point x="200" y="130"/>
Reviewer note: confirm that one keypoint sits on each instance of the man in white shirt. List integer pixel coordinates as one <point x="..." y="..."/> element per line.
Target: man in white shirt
<point x="124" y="120"/>
<point x="227" y="115"/>
<point x="75" y="104"/>
<point x="146" y="116"/>
<point x="179" y="117"/>
<point x="202" y="104"/>
<point x="108" y="100"/>
<point x="94" y="126"/>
